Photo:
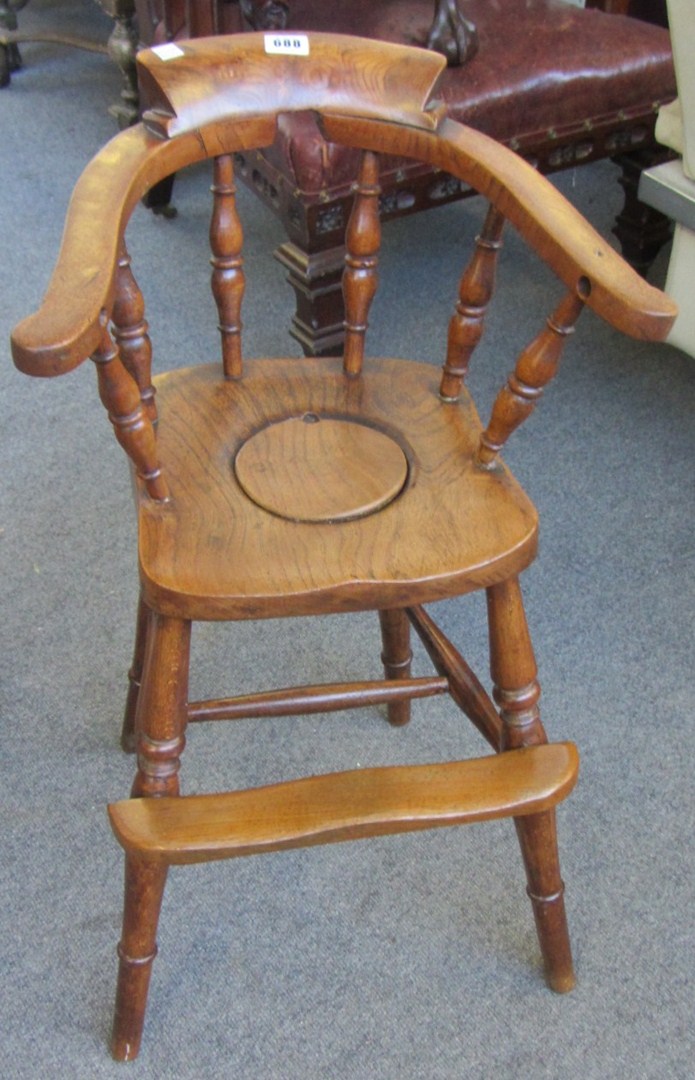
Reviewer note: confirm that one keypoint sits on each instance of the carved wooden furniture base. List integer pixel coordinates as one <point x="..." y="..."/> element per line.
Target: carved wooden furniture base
<point x="121" y="48"/>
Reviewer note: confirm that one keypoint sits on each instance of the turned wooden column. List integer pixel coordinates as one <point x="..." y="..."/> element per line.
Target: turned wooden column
<point x="162" y="706"/>
<point x="396" y="657"/>
<point x="517" y="693"/>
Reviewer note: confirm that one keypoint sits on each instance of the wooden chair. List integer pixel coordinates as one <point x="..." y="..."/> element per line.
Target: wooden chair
<point x="297" y="487"/>
<point x="561" y="85"/>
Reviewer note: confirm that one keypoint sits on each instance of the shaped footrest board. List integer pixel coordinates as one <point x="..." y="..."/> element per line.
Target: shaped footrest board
<point x="345" y="805"/>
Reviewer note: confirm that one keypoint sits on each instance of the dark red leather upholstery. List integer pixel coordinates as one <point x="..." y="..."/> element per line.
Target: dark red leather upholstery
<point x="544" y="69"/>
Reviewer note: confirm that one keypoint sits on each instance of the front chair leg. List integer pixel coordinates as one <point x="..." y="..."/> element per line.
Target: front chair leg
<point x="538" y="840"/>
<point x="144" y="888"/>
<point x="161" y="713"/>
<point x="517" y="692"/>
<point x="159" y="725"/>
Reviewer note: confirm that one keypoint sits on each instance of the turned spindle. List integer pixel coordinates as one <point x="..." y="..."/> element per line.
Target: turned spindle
<point x="536" y="366"/>
<point x="161" y="709"/>
<point x="475" y="291"/>
<point x="517" y="691"/>
<point x="130" y="333"/>
<point x="228" y="281"/>
<point x="396" y="656"/>
<point x="360" y="279"/>
<point x="513" y="667"/>
<point x="119" y="393"/>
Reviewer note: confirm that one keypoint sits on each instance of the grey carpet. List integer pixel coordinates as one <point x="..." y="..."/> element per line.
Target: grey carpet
<point x="402" y="958"/>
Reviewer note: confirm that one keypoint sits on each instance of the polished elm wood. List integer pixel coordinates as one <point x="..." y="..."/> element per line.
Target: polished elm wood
<point x="133" y="428"/>
<point x="143" y="893"/>
<point x="309" y="481"/>
<point x="303" y="700"/>
<point x="128" y="733"/>
<point x="464" y="686"/>
<point x="293" y="487"/>
<point x="161" y="712"/>
<point x="157" y="833"/>
<point x="475" y="292"/>
<point x="69" y="327"/>
<point x="396" y="657"/>
<point x="362" y="240"/>
<point x="345" y="806"/>
<point x="228" y="282"/>
<point x="418" y="548"/>
<point x="131" y="335"/>
<point x="536" y="366"/>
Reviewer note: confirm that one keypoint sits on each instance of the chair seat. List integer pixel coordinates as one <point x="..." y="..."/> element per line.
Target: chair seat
<point x="396" y="479"/>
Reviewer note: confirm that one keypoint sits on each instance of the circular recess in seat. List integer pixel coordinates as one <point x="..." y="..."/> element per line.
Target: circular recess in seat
<point x="319" y="469"/>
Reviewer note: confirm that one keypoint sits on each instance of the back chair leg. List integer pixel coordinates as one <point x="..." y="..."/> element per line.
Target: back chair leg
<point x="517" y="692"/>
<point x="144" y="888"/>
<point x="128" y="733"/>
<point x="396" y="657"/>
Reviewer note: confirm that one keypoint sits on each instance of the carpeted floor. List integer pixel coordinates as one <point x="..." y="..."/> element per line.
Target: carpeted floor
<point x="411" y="958"/>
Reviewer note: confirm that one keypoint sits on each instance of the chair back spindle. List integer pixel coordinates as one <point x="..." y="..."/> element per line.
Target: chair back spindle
<point x="228" y="281"/>
<point x="536" y="366"/>
<point x="119" y="393"/>
<point x="130" y="331"/>
<point x="360" y="278"/>
<point x="475" y="292"/>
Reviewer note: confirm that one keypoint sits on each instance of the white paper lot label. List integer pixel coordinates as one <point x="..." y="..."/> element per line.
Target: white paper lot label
<point x="287" y="44"/>
<point x="169" y="51"/>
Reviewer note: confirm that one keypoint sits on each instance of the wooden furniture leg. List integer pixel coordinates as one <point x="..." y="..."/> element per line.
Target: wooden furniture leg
<point x="128" y="733"/>
<point x="144" y="889"/>
<point x="161" y="713"/>
<point x="538" y="840"/>
<point x="396" y="657"/>
<point x="10" y="58"/>
<point x="155" y="719"/>
<point x="517" y="692"/>
<point x="121" y="48"/>
<point x="641" y="230"/>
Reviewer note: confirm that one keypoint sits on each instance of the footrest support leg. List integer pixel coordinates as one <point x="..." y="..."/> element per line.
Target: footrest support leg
<point x="538" y="840"/>
<point x="144" y="889"/>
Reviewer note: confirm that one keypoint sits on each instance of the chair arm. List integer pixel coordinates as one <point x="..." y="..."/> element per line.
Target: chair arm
<point x="223" y="94"/>
<point x="68" y="327"/>
<point x="560" y="235"/>
<point x="218" y="95"/>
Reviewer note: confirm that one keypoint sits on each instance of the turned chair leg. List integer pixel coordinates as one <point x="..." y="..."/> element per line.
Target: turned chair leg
<point x="538" y="840"/>
<point x="144" y="888"/>
<point x="160" y="724"/>
<point x="128" y="732"/>
<point x="161" y="713"/>
<point x="517" y="692"/>
<point x="396" y="657"/>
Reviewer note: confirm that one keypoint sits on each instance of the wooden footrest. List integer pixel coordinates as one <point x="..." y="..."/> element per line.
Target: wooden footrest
<point x="345" y="805"/>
